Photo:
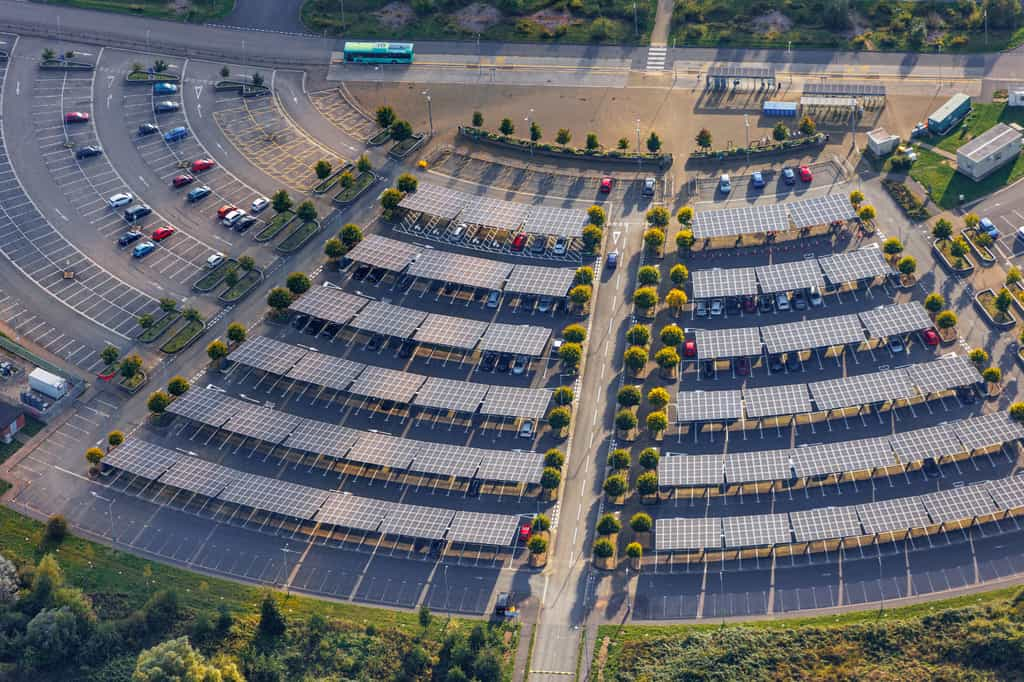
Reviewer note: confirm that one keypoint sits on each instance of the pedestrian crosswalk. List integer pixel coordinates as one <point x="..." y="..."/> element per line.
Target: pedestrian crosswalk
<point x="656" y="56"/>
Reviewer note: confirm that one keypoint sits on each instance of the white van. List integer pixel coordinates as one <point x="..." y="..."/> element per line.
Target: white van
<point x="233" y="217"/>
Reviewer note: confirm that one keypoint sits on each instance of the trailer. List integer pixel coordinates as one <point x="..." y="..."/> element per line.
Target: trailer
<point x="47" y="383"/>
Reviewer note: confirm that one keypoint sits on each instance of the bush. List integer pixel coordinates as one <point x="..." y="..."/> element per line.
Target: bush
<point x="279" y="298"/>
<point x="574" y="333"/>
<point x="649" y="458"/>
<point x="158" y="402"/>
<point x="584" y="275"/>
<point x="298" y="283"/>
<point x="608" y="524"/>
<point x="667" y="358"/>
<point x="625" y="420"/>
<point x="236" y="332"/>
<point x="629" y="396"/>
<point x="407" y="183"/>
<point x="634" y="550"/>
<point x="563" y="395"/>
<point x="657" y="216"/>
<point x="619" y="459"/>
<point x="216" y="350"/>
<point x="537" y="545"/>
<point x="992" y="375"/>
<point x="658" y="398"/>
<point x="946" y="319"/>
<point x="641" y="523"/>
<point x="645" y="298"/>
<point x="671" y="335"/>
<point x="550" y="478"/>
<point x="635" y="358"/>
<point x="559" y="418"/>
<point x="401" y="130"/>
<point x="603" y="548"/>
<point x="554" y="458"/>
<point x="679" y="274"/>
<point x="639" y="335"/>
<point x="56" y="528"/>
<point x="934" y="302"/>
<point x="570" y="354"/>
<point x="596" y="215"/>
<point x="649" y="275"/>
<point x="978" y="356"/>
<point x="657" y="422"/>
<point x="177" y="386"/>
<point x="161" y="611"/>
<point x="272" y="624"/>
<point x="647" y="483"/>
<point x="1017" y="412"/>
<point x="654" y="238"/>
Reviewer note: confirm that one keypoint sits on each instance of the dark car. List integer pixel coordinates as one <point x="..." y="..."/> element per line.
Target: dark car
<point x="792" y="362"/>
<point x="764" y="303"/>
<point x="742" y="366"/>
<point x="775" y="363"/>
<point x="86" y="152"/>
<point x="967" y="395"/>
<point x="375" y="342"/>
<point x="748" y="304"/>
<point x="707" y="369"/>
<point x="148" y="129"/>
<point x="198" y="193"/>
<point x="529" y="301"/>
<point x="300" y="321"/>
<point x="360" y="273"/>
<point x="487" y="362"/>
<point x="789" y="175"/>
<point x="504" y="362"/>
<point x="165" y="106"/>
<point x="405" y="283"/>
<point x="129" y="237"/>
<point x="407" y="349"/>
<point x="376" y="275"/>
<point x="732" y="304"/>
<point x="930" y="468"/>
<point x="244" y="224"/>
<point x="314" y="329"/>
<point x="330" y="330"/>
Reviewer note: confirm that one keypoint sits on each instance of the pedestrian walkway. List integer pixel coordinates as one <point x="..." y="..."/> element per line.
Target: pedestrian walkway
<point x="662" y="23"/>
<point x="656" y="58"/>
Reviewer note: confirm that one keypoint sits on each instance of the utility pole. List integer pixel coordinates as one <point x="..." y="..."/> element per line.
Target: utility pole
<point x="430" y="112"/>
<point x="639" y="155"/>
<point x="529" y="123"/>
<point x="746" y="127"/>
<point x="110" y="515"/>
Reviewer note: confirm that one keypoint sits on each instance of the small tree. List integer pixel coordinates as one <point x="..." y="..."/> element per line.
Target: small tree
<point x="570" y="354"/>
<point x="615" y="485"/>
<point x="363" y="164"/>
<point x="866" y="213"/>
<point x="306" y="212"/>
<point x="574" y="333"/>
<point x="780" y="132"/>
<point x="216" y="350"/>
<point x="649" y="458"/>
<point x="658" y="398"/>
<point x="856" y="198"/>
<point x="236" y="332"/>
<point x="983" y="239"/>
<point x="645" y="298"/>
<point x="281" y="201"/>
<point x="158" y="402"/>
<point x="592" y="143"/>
<point x="110" y="354"/>
<point x="563" y="136"/>
<point x="507" y="127"/>
<point x="322" y="169"/>
<point x="892" y="246"/>
<point x="992" y="375"/>
<point x="942" y="229"/>
<point x="608" y="524"/>
<point x="625" y="420"/>
<point x="653" y="143"/>
<point x="225" y="71"/>
<point x="257" y="79"/>
<point x="934" y="302"/>
<point x="603" y="548"/>
<point x="971" y="220"/>
<point x="478" y="119"/>
<point x="401" y="130"/>
<point x="537" y="545"/>
<point x="679" y="274"/>
<point x="657" y="216"/>
<point x="177" y="386"/>
<point x="130" y="366"/>
<point x="685" y="216"/>
<point x="1017" y="412"/>
<point x="1003" y="301"/>
<point x="554" y="458"/>
<point x="654" y="238"/>
<point x="298" y="283"/>
<point x="424" y="617"/>
<point x="685" y="241"/>
<point x="247" y="263"/>
<point x="639" y="335"/>
<point x="584" y="275"/>
<point x="657" y="422"/>
<point x="407" y="183"/>
<point x="628" y="396"/>
<point x="49" y="55"/>
<point x="671" y="335"/>
<point x="168" y="305"/>
<point x="350" y="235"/>
<point x="592" y="235"/>
<point x="667" y="358"/>
<point x="279" y="299"/>
<point x="191" y="314"/>
<point x="334" y="249"/>
<point x="676" y="299"/>
<point x="563" y="395"/>
<point x="115" y="438"/>
<point x="704" y="139"/>
<point x="94" y="456"/>
<point x="907" y="265"/>
<point x="231" y="277"/>
<point x="635" y="358"/>
<point x="978" y="356"/>
<point x="634" y="550"/>
<point x="146" y="320"/>
<point x="550" y="478"/>
<point x="1013" y="276"/>
<point x="596" y="215"/>
<point x="272" y="624"/>
<point x="647" y="483"/>
<point x="535" y="132"/>
<point x="56" y="528"/>
<point x="807" y="126"/>
<point x="580" y="294"/>
<point x="946" y="319"/>
<point x="619" y="459"/>
<point x="649" y="275"/>
<point x="389" y="199"/>
<point x="385" y="116"/>
<point x="958" y="249"/>
<point x="623" y="143"/>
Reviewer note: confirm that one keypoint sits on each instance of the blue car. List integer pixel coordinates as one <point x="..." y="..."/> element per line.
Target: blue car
<point x="164" y="88"/>
<point x="175" y="134"/>
<point x="143" y="249"/>
<point x="985" y="225"/>
<point x="757" y="180"/>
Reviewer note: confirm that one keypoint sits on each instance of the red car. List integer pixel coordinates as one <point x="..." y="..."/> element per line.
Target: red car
<point x="606" y="184"/>
<point x="805" y="174"/>
<point x="161" y="233"/>
<point x="690" y="348"/>
<point x="224" y="210"/>
<point x="182" y="180"/>
<point x="519" y="242"/>
<point x="200" y="165"/>
<point x="931" y="337"/>
<point x="748" y="304"/>
<point x="76" y="117"/>
<point x="525" y="529"/>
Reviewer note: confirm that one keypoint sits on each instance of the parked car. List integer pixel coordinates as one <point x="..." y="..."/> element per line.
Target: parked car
<point x="223" y="211"/>
<point x="120" y="199"/>
<point x="135" y="212"/>
<point x="689" y="348"/>
<point x="748" y="304"/>
<point x="775" y="363"/>
<point x="86" y="152"/>
<point x="493" y="299"/>
<point x="166" y="107"/>
<point x="649" y="185"/>
<point x="526" y="429"/>
<point x="724" y="184"/>
<point x="700" y="308"/>
<point x="561" y="246"/>
<point x="175" y="134"/>
<point x="782" y="301"/>
<point x="215" y="260"/>
<point x="764" y="303"/>
<point x="161" y="233"/>
<point x="793" y="362"/>
<point x="539" y="244"/>
<point x="606" y="184"/>
<point x="986" y="225"/>
<point x="76" y="117"/>
<point x="931" y="337"/>
<point x="519" y="365"/>
<point x="919" y="130"/>
<point x="757" y="180"/>
<point x="143" y="249"/>
<point x="244" y="223"/>
<point x="742" y="366"/>
<point x="232" y="217"/>
<point x="896" y="344"/>
<point x="147" y="129"/>
<point x="789" y="176"/>
<point x="707" y="369"/>
<point x="360" y="273"/>
<point x="259" y="204"/>
<point x="519" y="242"/>
<point x="199" y="165"/>
<point x="716" y="307"/>
<point x="799" y="300"/>
<point x="504" y="362"/>
<point x="182" y="180"/>
<point x="407" y="349"/>
<point x="199" y="193"/>
<point x="805" y="173"/>
<point x="545" y="304"/>
<point x="814" y="296"/>
<point x="164" y="88"/>
<point x="488" y="361"/>
<point x="129" y="237"/>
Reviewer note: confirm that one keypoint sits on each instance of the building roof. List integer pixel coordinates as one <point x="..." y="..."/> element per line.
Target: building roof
<point x="8" y="413"/>
<point x="951" y="105"/>
<point x="989" y="142"/>
<point x="880" y="135"/>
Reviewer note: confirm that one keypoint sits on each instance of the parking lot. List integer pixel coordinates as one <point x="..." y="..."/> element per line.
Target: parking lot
<point x="340" y="111"/>
<point x="774" y="185"/>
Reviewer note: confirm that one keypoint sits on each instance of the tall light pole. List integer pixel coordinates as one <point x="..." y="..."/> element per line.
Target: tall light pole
<point x="529" y="122"/>
<point x="430" y="112"/>
<point x="110" y="514"/>
<point x="746" y="128"/>
<point x="639" y="154"/>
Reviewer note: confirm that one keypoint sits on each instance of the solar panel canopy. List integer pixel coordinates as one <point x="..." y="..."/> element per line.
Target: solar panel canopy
<point x="1008" y="492"/>
<point x="439" y="393"/>
<point x="476" y="528"/>
<point x="932" y="441"/>
<point x="739" y="221"/>
<point x="831" y="87"/>
<point x="682" y="471"/>
<point x="457" y="268"/>
<point x="958" y="504"/>
<point x="865" y="263"/>
<point x="384" y="450"/>
<point x="268" y="355"/>
<point x="414" y="521"/>
<point x="722" y="282"/>
<point x="541" y="281"/>
<point x="774" y="401"/>
<point x="757" y="530"/>
<point x="713" y="344"/>
<point x="330" y="304"/>
<point x="862" y="389"/>
<point x="756" y="467"/>
<point x="450" y="332"/>
<point x="383" y="383"/>
<point x="865" y="454"/>
<point x="687" y="534"/>
<point x="206" y="406"/>
<point x="825" y="523"/>
<point x="995" y="428"/>
<point x="435" y="200"/>
<point x="321" y="438"/>
<point x="738" y="71"/>
<point x="897" y="514"/>
<point x="274" y="496"/>
<point x="556" y="221"/>
<point x="197" y="475"/>
<point x="383" y="252"/>
<point x="517" y="339"/>
<point x="821" y="210"/>
<point x="388" y="319"/>
<point x="262" y="423"/>
<point x="511" y="467"/>
<point x="325" y="370"/>
<point x="791" y="276"/>
<point x="513" y="401"/>
<point x="950" y="371"/>
<point x="709" y="406"/>
<point x="813" y="334"/>
<point x="444" y="459"/>
<point x="358" y="513"/>
<point x="895" y="319"/>
<point x="140" y="458"/>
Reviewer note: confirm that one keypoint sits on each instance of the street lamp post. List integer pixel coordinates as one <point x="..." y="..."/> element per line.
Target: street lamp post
<point x="639" y="155"/>
<point x="430" y="112"/>
<point x="746" y="127"/>
<point x="529" y="122"/>
<point x="110" y="514"/>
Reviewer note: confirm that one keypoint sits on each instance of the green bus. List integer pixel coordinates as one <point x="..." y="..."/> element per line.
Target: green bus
<point x="379" y="53"/>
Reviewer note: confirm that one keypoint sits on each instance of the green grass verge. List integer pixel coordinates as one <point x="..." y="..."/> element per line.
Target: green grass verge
<point x="212" y="278"/>
<point x="134" y="382"/>
<point x="957" y="638"/>
<point x="199" y="10"/>
<point x="152" y="77"/>
<point x="938" y="175"/>
<point x="275" y="226"/>
<point x="244" y="285"/>
<point x="299" y="236"/>
<point x="159" y="327"/>
<point x="32" y="426"/>
<point x="183" y="336"/>
<point x="988" y="302"/>
<point x="8" y="449"/>
<point x="362" y="181"/>
<point x="982" y="117"/>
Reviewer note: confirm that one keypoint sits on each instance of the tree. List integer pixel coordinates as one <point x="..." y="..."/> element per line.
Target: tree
<point x="94" y="456"/>
<point x="334" y="249"/>
<point x="907" y="265"/>
<point x="608" y="524"/>
<point x="554" y="458"/>
<point x="385" y="116"/>
<point x="168" y="305"/>
<point x="177" y="386"/>
<point x="279" y="299"/>
<point x="639" y="335"/>
<point x="657" y="216"/>
<point x="704" y="139"/>
<point x="559" y="418"/>
<point x="424" y="617"/>
<point x="298" y="283"/>
<point x="550" y="478"/>
<point x="216" y="350"/>
<point x="350" y="235"/>
<point x="653" y="143"/>
<point x="535" y="132"/>
<point x="507" y="127"/>
<point x="158" y="402"/>
<point x="866" y="213"/>
<point x="658" y="397"/>
<point x="401" y="130"/>
<point x="1013" y="275"/>
<point x="574" y="333"/>
<point x="176" y="660"/>
<point x="958" y="249"/>
<point x="676" y="299"/>
<point x="625" y="420"/>
<point x="146" y="320"/>
<point x="257" y="79"/>
<point x="856" y="198"/>
<point x="978" y="356"/>
<point x="49" y="55"/>
<point x="667" y="358"/>
<point x="892" y="246"/>
<point x="934" y="302"/>
<point x="992" y="375"/>
<point x="942" y="229"/>
<point x="946" y="319"/>
<point x="563" y="136"/>
<point x="679" y="274"/>
<point x="130" y="366"/>
<point x="322" y="169"/>
<point x="645" y="298"/>
<point x="272" y="624"/>
<point x="570" y="354"/>
<point x="52" y="637"/>
<point x="603" y="548"/>
<point x="592" y="143"/>
<point x="634" y="550"/>
<point x="110" y="354"/>
<point x="1017" y="412"/>
<point x="537" y="545"/>
<point x="647" y="482"/>
<point x="596" y="215"/>
<point x="363" y="164"/>
<point x="389" y="199"/>
<point x="649" y="275"/>
<point x="628" y="396"/>
<point x="306" y="212"/>
<point x="623" y="143"/>
<point x="971" y="220"/>
<point x="1003" y="301"/>
<point x="407" y="183"/>
<point x="478" y="119"/>
<point x="635" y="358"/>
<point x="807" y="126"/>
<point x="592" y="236"/>
<point x="671" y="335"/>
<point x="649" y="458"/>
<point x="115" y="438"/>
<point x="836" y="14"/>
<point x="231" y="277"/>
<point x="580" y="294"/>
<point x="191" y="314"/>
<point x="619" y="459"/>
<point x="615" y="485"/>
<point x="685" y="216"/>
<point x="780" y="132"/>
<point x="225" y="71"/>
<point x="236" y="332"/>
<point x="247" y="263"/>
<point x="281" y="201"/>
<point x="541" y="523"/>
<point x="584" y="275"/>
<point x="9" y="583"/>
<point x="654" y="238"/>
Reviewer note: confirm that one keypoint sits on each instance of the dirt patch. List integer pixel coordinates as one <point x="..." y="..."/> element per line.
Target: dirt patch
<point x="477" y="18"/>
<point x="395" y="14"/>
<point x="773" y="22"/>
<point x="602" y="658"/>
<point x="551" y="18"/>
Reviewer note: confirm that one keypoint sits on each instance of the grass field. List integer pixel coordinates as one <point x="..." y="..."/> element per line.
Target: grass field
<point x="939" y="176"/>
<point x="972" y="637"/>
<point x="198" y="11"/>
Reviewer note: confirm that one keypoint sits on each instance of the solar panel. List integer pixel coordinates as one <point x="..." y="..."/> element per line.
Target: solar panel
<point x="1008" y="492"/>
<point x="457" y="268"/>
<point x="517" y="339"/>
<point x="844" y="88"/>
<point x="894" y="319"/>
<point x="722" y="282"/>
<point x="756" y="467"/>
<point x="383" y="383"/>
<point x="435" y="200"/>
<point x="720" y="344"/>
<point x="325" y="370"/>
<point x="443" y="459"/>
<point x="759" y="530"/>
<point x="995" y="428"/>
<point x="511" y="467"/>
<point x="414" y="521"/>
<point x="863" y="389"/>
<point x="262" y="423"/>
<point x="206" y="406"/>
<point x="450" y="394"/>
<point x="780" y="277"/>
<point x="709" y="406"/>
<point x="825" y="523"/>
<point x="775" y="401"/>
<point x="541" y="281"/>
<point x="384" y="252"/>
<point x="812" y="334"/>
<point x="736" y="71"/>
<point x="384" y="450"/>
<point x="388" y="319"/>
<point x="358" y="513"/>
<point x="687" y="534"/>
<point x="865" y="454"/>
<point x="476" y="528"/>
<point x="320" y="438"/>
<point x="821" y="210"/>
<point x="504" y="215"/>
<point x="268" y="355"/>
<point x="958" y="504"/>
<point x="140" y="458"/>
<point x="330" y="304"/>
<point x="897" y="514"/>
<point x="686" y="471"/>
<point x="933" y="441"/>
<point x="450" y="332"/>
<point x="556" y="221"/>
<point x="513" y="401"/>
<point x="274" y="496"/>
<point x="950" y="371"/>
<point x="734" y="222"/>
<point x="865" y="263"/>
<point x="197" y="475"/>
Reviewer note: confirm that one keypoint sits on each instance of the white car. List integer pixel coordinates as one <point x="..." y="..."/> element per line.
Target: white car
<point x="215" y="260"/>
<point x="782" y="301"/>
<point x="233" y="217"/>
<point x="120" y="199"/>
<point x="815" y="297"/>
<point x="561" y="246"/>
<point x="519" y="365"/>
<point x="260" y="204"/>
<point x="717" y="306"/>
<point x="526" y="430"/>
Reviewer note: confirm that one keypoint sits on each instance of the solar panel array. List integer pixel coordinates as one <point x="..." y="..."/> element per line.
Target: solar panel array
<point x="417" y="522"/>
<point x="838" y="457"/>
<point x="383" y="383"/>
<point x="517" y="339"/>
<point x="142" y="459"/>
<point x="949" y="370"/>
<point x="274" y="495"/>
<point x="388" y="319"/>
<point x="736" y="71"/>
<point x="199" y="476"/>
<point x="384" y="450"/>
<point x="383" y="252"/>
<point x="556" y="221"/>
<point x="677" y="471"/>
<point x="728" y="343"/>
<point x="780" y="277"/>
<point x="504" y="215"/>
<point x="435" y="200"/>
<point x="268" y="355"/>
<point x="956" y="504"/>
<point x="767" y="465"/>
<point x="450" y="394"/>
<point x="722" y="282"/>
<point x="734" y="222"/>
<point x="895" y="319"/>
<point x="512" y="401"/>
<point x="896" y="514"/>
<point x="262" y="423"/>
<point x="709" y="406"/>
<point x="821" y="210"/>
<point x="863" y="389"/>
<point x="832" y="87"/>
<point x="321" y="438"/>
<point x="476" y="528"/>
<point x="209" y="407"/>
<point x="822" y="523"/>
<point x="541" y="281"/>
<point x="511" y="467"/>
<point x="325" y="370"/>
<point x="450" y="332"/>
<point x="457" y="268"/>
<point x="330" y="304"/>
<point x="932" y="441"/>
<point x="773" y="401"/>
<point x="757" y="530"/>
<point x="986" y="430"/>
<point x="865" y="263"/>
<point x="357" y="513"/>
<point x="811" y="334"/>
<point x="687" y="534"/>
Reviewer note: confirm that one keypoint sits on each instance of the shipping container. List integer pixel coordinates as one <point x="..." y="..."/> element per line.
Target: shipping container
<point x="48" y="384"/>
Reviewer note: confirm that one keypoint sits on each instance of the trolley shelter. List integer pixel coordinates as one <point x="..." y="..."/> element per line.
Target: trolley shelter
<point x="726" y="76"/>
